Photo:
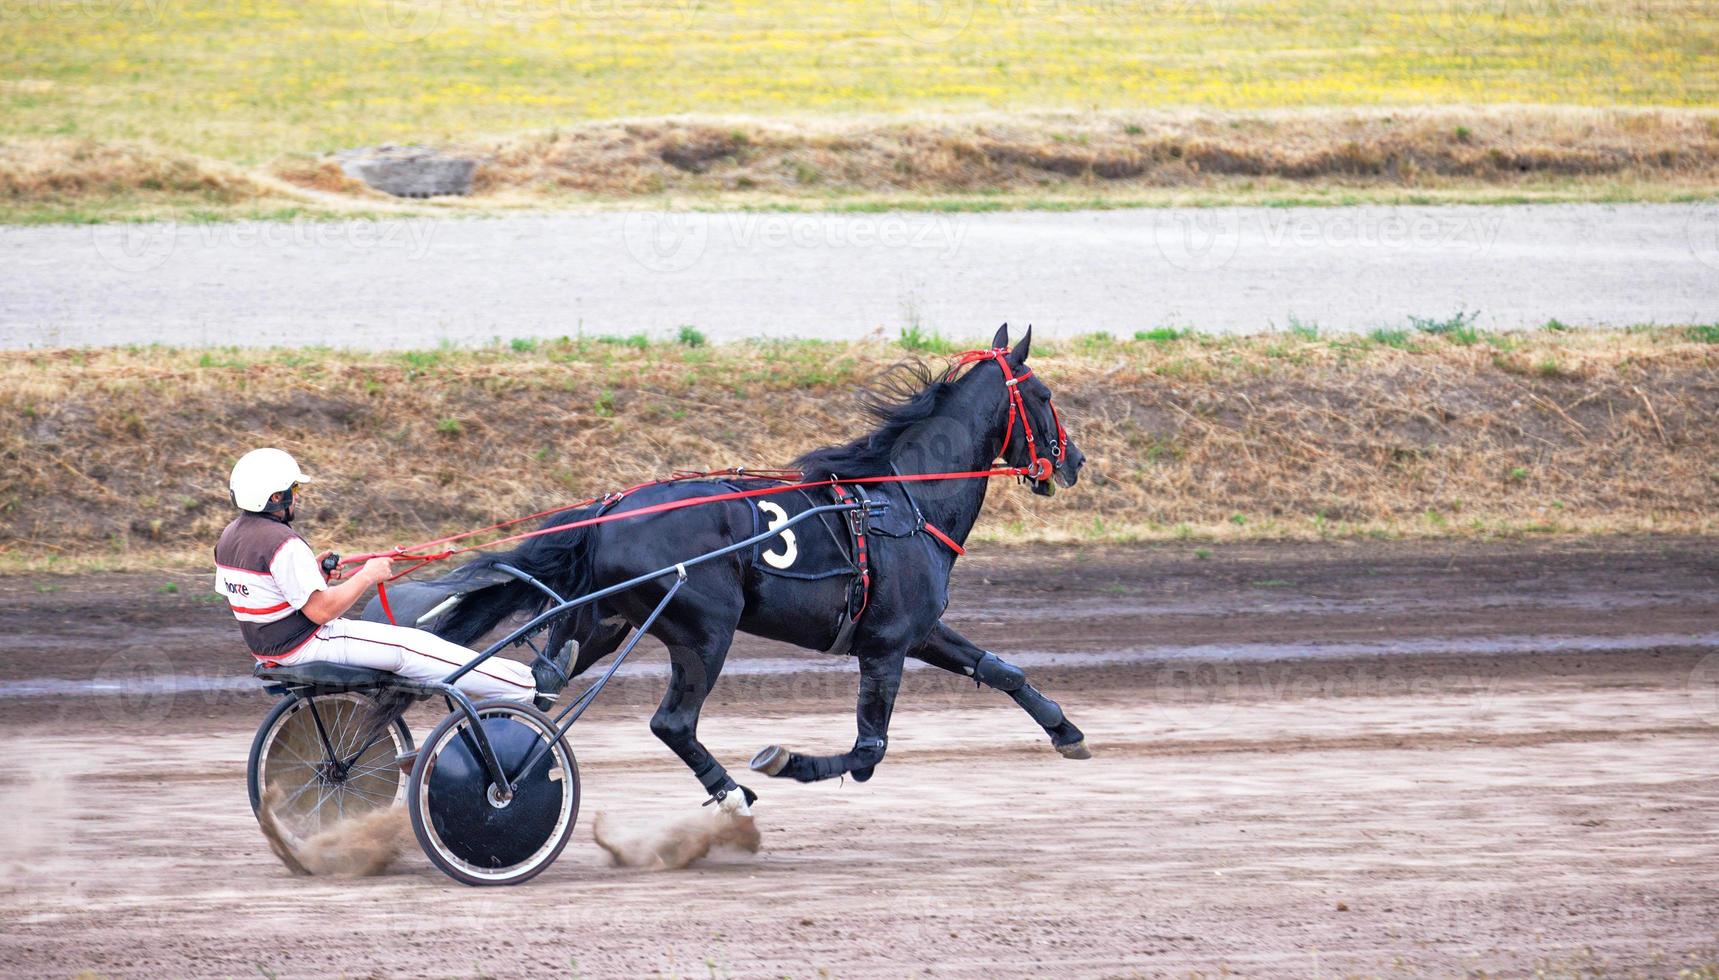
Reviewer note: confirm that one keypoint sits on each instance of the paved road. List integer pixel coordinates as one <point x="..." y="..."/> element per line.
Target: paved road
<point x="410" y="283"/>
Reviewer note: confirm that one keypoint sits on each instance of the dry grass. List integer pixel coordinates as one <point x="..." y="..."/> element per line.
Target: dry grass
<point x="45" y="168"/>
<point x="1110" y="152"/>
<point x="121" y="455"/>
<point x="971" y="161"/>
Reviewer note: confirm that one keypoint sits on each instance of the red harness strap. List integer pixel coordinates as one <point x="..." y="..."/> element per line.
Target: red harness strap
<point x="948" y="541"/>
<point x="862" y="556"/>
<point x="382" y="596"/>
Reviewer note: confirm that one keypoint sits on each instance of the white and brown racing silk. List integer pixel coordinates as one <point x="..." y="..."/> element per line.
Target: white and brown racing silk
<point x="267" y="572"/>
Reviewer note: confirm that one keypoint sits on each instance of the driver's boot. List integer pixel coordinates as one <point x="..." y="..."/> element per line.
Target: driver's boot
<point x="551" y="679"/>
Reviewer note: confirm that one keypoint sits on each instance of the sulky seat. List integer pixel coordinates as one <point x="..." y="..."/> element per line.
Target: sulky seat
<point x="321" y="677"/>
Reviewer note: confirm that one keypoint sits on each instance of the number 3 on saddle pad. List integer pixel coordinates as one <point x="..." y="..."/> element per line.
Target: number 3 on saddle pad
<point x="791" y="549"/>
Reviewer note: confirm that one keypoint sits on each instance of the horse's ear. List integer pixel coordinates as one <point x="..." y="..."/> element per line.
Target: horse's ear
<point x="1002" y="337"/>
<point x="1018" y="356"/>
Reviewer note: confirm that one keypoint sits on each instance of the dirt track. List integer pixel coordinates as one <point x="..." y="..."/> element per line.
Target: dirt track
<point x="1403" y="759"/>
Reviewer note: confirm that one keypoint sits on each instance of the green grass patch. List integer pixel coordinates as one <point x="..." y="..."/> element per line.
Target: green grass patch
<point x="920" y="340"/>
<point x="1389" y="337"/>
<point x="1162" y="335"/>
<point x="1706" y="333"/>
<point x="1458" y="328"/>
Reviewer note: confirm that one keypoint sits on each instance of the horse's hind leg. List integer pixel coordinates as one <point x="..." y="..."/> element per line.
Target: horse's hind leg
<point x="880" y="680"/>
<point x="697" y="650"/>
<point x="955" y="653"/>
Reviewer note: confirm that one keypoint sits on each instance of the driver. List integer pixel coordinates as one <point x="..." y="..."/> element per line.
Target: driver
<point x="289" y="613"/>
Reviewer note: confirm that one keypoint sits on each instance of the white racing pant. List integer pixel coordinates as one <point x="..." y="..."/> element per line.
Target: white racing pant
<point x="414" y="654"/>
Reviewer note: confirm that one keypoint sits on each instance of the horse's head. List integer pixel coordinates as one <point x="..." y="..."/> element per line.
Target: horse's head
<point x="1041" y="443"/>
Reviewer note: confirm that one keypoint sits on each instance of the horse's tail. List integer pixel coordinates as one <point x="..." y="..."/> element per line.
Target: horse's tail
<point x="561" y="561"/>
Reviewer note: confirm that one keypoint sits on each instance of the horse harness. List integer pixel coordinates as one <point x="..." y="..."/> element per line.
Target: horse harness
<point x="865" y="520"/>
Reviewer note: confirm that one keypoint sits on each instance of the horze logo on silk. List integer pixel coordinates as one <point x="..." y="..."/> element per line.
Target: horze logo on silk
<point x="236" y="588"/>
<point x="779" y="517"/>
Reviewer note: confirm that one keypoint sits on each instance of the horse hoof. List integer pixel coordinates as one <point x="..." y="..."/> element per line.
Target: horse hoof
<point x="770" y="761"/>
<point x="1075" y="750"/>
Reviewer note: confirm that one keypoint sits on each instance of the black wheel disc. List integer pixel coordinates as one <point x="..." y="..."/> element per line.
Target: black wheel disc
<point x="474" y="835"/>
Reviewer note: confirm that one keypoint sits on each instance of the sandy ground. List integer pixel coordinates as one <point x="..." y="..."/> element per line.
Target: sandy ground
<point x="416" y="282"/>
<point x="1311" y="761"/>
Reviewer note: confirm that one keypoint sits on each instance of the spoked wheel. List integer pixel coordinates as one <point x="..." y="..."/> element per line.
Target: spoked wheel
<point x="464" y="825"/>
<point x="315" y="748"/>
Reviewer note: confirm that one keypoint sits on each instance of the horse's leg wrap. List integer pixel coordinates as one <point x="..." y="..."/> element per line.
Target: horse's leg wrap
<point x="812" y="768"/>
<point x="1067" y="739"/>
<point x="994" y="671"/>
<point x="1042" y="709"/>
<point x="866" y="754"/>
<point x="713" y="777"/>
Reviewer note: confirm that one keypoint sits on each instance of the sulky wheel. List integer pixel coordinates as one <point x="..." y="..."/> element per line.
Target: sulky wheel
<point x="465" y="828"/>
<point x="316" y="749"/>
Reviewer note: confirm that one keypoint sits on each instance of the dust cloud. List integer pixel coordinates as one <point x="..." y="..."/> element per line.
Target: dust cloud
<point x="679" y="843"/>
<point x="354" y="848"/>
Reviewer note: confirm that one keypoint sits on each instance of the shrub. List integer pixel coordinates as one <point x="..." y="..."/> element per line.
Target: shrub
<point x="1162" y="335"/>
<point x="1458" y="328"/>
<point x="915" y="338"/>
<point x="1391" y="338"/>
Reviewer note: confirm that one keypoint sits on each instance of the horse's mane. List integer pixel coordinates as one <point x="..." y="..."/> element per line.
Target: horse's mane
<point x="901" y="398"/>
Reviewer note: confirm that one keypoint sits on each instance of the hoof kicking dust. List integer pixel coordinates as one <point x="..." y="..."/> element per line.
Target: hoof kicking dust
<point x="355" y="848"/>
<point x="678" y="844"/>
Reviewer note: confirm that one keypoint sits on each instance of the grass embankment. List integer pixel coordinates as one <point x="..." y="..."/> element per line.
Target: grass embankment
<point x="142" y="108"/>
<point x="118" y="458"/>
<point x="965" y="163"/>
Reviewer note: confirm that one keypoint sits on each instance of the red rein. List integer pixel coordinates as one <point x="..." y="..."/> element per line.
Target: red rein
<point x="1038" y="468"/>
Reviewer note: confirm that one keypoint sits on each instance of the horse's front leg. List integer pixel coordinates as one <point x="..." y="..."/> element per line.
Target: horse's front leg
<point x="880" y="679"/>
<point x="955" y="653"/>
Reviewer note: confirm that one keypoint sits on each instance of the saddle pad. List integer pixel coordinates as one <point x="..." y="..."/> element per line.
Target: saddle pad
<point x="813" y="549"/>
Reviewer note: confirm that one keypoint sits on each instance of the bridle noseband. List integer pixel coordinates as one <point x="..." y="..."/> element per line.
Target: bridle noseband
<point x="1039" y="468"/>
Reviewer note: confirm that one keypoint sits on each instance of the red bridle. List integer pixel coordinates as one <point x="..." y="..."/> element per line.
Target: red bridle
<point x="1038" y="467"/>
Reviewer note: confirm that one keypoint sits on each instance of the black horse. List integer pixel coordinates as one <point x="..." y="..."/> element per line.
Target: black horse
<point x="799" y="589"/>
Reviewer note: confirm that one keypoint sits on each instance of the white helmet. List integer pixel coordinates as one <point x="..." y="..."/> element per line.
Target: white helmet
<point x="259" y="475"/>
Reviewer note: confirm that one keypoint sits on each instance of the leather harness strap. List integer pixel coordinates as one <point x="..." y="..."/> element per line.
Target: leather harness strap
<point x="858" y="519"/>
